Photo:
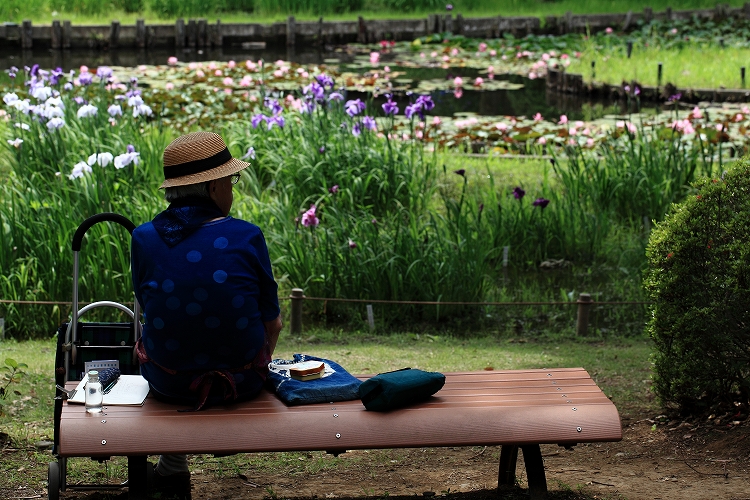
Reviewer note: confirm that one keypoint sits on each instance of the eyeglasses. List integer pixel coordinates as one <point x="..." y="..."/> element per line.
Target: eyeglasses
<point x="235" y="178"/>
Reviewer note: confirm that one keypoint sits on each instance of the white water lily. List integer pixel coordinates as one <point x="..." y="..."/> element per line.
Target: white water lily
<point x="87" y="110"/>
<point x="79" y="169"/>
<point x="102" y="159"/>
<point x="125" y="159"/>
<point x="15" y="143"/>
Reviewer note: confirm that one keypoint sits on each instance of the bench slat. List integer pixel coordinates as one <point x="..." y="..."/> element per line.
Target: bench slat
<point x="474" y="408"/>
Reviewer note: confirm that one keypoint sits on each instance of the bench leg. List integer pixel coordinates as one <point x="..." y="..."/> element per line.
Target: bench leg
<point x="137" y="477"/>
<point x="508" y="458"/>
<point x="532" y="457"/>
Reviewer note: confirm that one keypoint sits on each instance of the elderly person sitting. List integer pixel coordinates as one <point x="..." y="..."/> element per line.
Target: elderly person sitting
<point x="208" y="294"/>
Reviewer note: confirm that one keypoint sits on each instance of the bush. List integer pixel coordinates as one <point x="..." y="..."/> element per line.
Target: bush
<point x="699" y="281"/>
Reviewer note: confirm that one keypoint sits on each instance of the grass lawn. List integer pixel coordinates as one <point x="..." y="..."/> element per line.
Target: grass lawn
<point x="693" y="67"/>
<point x="620" y="366"/>
<point x="373" y="10"/>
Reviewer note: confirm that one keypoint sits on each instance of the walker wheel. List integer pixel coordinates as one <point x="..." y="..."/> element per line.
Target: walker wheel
<point x="53" y="481"/>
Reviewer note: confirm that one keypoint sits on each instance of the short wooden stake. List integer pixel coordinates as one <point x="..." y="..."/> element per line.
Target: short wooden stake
<point x="202" y="33"/>
<point x="584" y="306"/>
<point x="593" y="69"/>
<point x="179" y="33"/>
<point x="2" y="329"/>
<point x="506" y="250"/>
<point x="140" y="33"/>
<point x="659" y="74"/>
<point x="630" y="48"/>
<point x="290" y="31"/>
<point x="295" y="325"/>
<point x="370" y="317"/>
<point x="67" y="34"/>
<point x="114" y="34"/>
<point x="362" y="30"/>
<point x="320" y="30"/>
<point x="56" y="35"/>
<point x="218" y="38"/>
<point x="192" y="33"/>
<point x="742" y="76"/>
<point x="27" y="40"/>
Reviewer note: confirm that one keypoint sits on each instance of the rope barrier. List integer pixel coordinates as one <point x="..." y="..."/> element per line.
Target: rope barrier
<point x="368" y="301"/>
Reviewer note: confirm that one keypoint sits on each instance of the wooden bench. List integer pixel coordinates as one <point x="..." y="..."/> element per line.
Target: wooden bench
<point x="514" y="409"/>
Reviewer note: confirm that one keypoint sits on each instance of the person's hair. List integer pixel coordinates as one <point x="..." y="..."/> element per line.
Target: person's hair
<point x="199" y="190"/>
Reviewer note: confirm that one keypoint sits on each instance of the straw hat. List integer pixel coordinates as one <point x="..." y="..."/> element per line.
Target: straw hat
<point x="198" y="157"/>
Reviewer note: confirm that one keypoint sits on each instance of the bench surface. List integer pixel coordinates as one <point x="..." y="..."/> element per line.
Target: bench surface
<point x="514" y="407"/>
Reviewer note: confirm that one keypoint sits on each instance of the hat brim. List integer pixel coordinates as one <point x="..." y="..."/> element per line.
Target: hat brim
<point x="231" y="167"/>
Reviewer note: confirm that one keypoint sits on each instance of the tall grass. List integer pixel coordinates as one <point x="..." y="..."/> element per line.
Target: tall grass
<point x="96" y="11"/>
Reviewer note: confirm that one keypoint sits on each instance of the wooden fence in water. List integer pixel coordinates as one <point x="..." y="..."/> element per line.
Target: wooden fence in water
<point x="199" y="33"/>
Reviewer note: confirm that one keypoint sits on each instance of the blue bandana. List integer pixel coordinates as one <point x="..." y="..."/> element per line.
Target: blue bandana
<point x="183" y="218"/>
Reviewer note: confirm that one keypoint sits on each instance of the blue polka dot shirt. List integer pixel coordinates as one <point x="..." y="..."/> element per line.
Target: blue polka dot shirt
<point x="204" y="302"/>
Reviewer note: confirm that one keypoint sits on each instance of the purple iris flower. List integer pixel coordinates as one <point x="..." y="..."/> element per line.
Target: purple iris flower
<point x="80" y="100"/>
<point x="675" y="97"/>
<point x="518" y="193"/>
<point x="335" y="96"/>
<point x="55" y="76"/>
<point x="369" y="123"/>
<point x="449" y="7"/>
<point x="541" y="202"/>
<point x="85" y="78"/>
<point x="69" y="86"/>
<point x="133" y="81"/>
<point x="356" y="130"/>
<point x="325" y="81"/>
<point x="412" y="109"/>
<point x="104" y="72"/>
<point x="130" y="93"/>
<point x="316" y="90"/>
<point x="34" y="70"/>
<point x="390" y="107"/>
<point x="322" y="149"/>
<point x="460" y="171"/>
<point x="354" y="107"/>
<point x="274" y="105"/>
<point x="426" y="102"/>
<point x="307" y="107"/>
<point x="131" y="148"/>
<point x="276" y="120"/>
<point x="255" y="120"/>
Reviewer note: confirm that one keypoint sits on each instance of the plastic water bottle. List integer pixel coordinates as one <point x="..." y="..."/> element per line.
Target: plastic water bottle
<point x="94" y="394"/>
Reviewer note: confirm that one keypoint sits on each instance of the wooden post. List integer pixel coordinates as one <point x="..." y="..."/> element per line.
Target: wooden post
<point x="568" y="22"/>
<point x="746" y="10"/>
<point x="448" y="23"/>
<point x="431" y="22"/>
<point x="2" y="328"/>
<point x="67" y="34"/>
<point x="742" y="76"/>
<point x="584" y="306"/>
<point x="630" y="48"/>
<point x="218" y="38"/>
<point x="320" y="31"/>
<point x="202" y="32"/>
<point x="668" y="13"/>
<point x="27" y="41"/>
<point x="459" y="26"/>
<point x="659" y="72"/>
<point x="362" y="30"/>
<point x="648" y="14"/>
<point x="140" y="33"/>
<point x="179" y="33"/>
<point x="290" y="31"/>
<point x="192" y="33"/>
<point x="295" y="324"/>
<point x="114" y="34"/>
<point x="628" y="20"/>
<point x="56" y="35"/>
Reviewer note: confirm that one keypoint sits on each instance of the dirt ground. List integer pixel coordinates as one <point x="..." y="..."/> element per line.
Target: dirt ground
<point x="657" y="459"/>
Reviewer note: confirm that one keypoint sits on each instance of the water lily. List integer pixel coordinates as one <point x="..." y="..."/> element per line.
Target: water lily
<point x="563" y="120"/>
<point x="172" y="61"/>
<point x="458" y="81"/>
<point x="374" y="57"/>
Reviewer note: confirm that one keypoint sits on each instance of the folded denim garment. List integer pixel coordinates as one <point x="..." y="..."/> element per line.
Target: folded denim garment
<point x="335" y="384"/>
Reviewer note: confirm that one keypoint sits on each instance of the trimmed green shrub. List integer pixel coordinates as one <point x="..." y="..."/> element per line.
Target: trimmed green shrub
<point x="699" y="280"/>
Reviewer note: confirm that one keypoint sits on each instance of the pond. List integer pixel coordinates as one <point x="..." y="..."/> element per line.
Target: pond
<point x="520" y="97"/>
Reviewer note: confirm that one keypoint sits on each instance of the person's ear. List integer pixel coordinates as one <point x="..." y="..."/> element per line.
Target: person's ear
<point x="212" y="186"/>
